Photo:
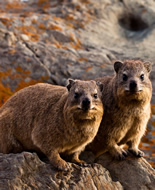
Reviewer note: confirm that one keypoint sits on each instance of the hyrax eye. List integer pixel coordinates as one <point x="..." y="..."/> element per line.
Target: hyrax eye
<point x="76" y="95"/>
<point x="142" y="77"/>
<point x="125" y="77"/>
<point x="95" y="96"/>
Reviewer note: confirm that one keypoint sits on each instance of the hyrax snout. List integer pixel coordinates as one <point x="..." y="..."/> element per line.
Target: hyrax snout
<point x="85" y="99"/>
<point x="51" y="120"/>
<point x="133" y="87"/>
<point x="126" y="100"/>
<point x="86" y="104"/>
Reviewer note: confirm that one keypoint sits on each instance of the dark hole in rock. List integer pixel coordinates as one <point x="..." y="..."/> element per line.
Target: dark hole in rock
<point x="133" y="22"/>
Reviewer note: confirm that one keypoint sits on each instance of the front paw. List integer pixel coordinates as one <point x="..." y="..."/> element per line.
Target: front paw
<point x="61" y="165"/>
<point x="120" y="154"/>
<point x="136" y="152"/>
<point x="83" y="164"/>
<point x="80" y="162"/>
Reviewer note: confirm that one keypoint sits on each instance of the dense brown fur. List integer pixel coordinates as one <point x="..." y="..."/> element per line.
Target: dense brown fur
<point x="126" y="101"/>
<point x="51" y="120"/>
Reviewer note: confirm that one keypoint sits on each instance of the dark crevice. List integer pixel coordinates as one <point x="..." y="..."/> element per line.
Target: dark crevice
<point x="133" y="22"/>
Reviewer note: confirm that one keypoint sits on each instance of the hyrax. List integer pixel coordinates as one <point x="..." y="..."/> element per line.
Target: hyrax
<point x="52" y="119"/>
<point x="126" y="100"/>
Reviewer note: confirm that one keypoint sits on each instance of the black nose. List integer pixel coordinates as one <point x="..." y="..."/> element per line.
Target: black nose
<point x="85" y="104"/>
<point x="133" y="85"/>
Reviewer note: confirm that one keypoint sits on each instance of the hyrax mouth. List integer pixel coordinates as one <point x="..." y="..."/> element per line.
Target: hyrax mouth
<point x="133" y="92"/>
<point x="86" y="109"/>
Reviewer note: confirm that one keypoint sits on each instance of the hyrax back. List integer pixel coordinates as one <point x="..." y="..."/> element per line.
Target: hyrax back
<point x="126" y="100"/>
<point x="52" y="119"/>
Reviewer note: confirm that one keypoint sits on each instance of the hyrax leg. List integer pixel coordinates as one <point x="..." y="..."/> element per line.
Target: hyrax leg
<point x="8" y="143"/>
<point x="133" y="147"/>
<point x="57" y="161"/>
<point x="75" y="159"/>
<point x="116" y="151"/>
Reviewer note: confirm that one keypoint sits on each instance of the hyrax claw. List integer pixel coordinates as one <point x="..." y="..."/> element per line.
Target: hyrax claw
<point x="137" y="152"/>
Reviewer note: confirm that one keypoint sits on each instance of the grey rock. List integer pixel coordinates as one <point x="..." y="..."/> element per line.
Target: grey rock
<point x="27" y="171"/>
<point x="134" y="173"/>
<point x="77" y="39"/>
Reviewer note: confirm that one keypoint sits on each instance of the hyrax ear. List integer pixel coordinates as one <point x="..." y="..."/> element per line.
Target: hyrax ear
<point x="70" y="84"/>
<point x="117" y="65"/>
<point x="100" y="85"/>
<point x="148" y="66"/>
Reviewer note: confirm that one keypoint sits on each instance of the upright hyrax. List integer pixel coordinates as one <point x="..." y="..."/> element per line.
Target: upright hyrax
<point x="126" y="100"/>
<point x="52" y="119"/>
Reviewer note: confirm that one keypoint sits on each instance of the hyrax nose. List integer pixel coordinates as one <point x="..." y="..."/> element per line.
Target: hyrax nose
<point x="85" y="104"/>
<point x="133" y="85"/>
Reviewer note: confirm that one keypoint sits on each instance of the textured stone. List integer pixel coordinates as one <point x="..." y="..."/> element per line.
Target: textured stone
<point x="55" y="40"/>
<point x="133" y="173"/>
<point x="27" y="171"/>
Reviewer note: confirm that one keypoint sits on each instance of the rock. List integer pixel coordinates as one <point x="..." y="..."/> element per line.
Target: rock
<point x="27" y="171"/>
<point x="55" y="40"/>
<point x="133" y="173"/>
<point x="7" y="38"/>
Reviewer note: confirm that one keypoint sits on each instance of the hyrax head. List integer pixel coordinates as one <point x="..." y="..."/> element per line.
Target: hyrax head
<point x="84" y="95"/>
<point x="132" y="78"/>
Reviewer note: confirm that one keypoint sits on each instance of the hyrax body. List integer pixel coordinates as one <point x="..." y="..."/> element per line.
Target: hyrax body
<point x="52" y="119"/>
<point x="126" y="101"/>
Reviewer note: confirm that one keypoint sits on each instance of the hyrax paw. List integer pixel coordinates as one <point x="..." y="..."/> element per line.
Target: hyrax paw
<point x="63" y="166"/>
<point x="80" y="162"/>
<point x="136" y="152"/>
<point x="121" y="155"/>
<point x="84" y="164"/>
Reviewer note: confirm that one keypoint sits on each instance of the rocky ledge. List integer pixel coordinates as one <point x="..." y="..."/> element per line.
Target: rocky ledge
<point x="27" y="171"/>
<point x="50" y="41"/>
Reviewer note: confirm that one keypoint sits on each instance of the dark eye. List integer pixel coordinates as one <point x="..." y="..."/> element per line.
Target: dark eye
<point x="125" y="77"/>
<point x="76" y="95"/>
<point x="142" y="77"/>
<point x="95" y="96"/>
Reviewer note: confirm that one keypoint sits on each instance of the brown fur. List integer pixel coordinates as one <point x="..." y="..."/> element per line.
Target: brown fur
<point x="126" y="109"/>
<point x="51" y="120"/>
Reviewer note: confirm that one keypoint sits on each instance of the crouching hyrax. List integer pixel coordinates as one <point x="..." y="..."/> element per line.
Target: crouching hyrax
<point x="52" y="119"/>
<point x="126" y="100"/>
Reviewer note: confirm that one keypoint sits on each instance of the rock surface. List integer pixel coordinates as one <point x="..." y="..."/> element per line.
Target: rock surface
<point x="27" y="171"/>
<point x="133" y="173"/>
<point x="53" y="40"/>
